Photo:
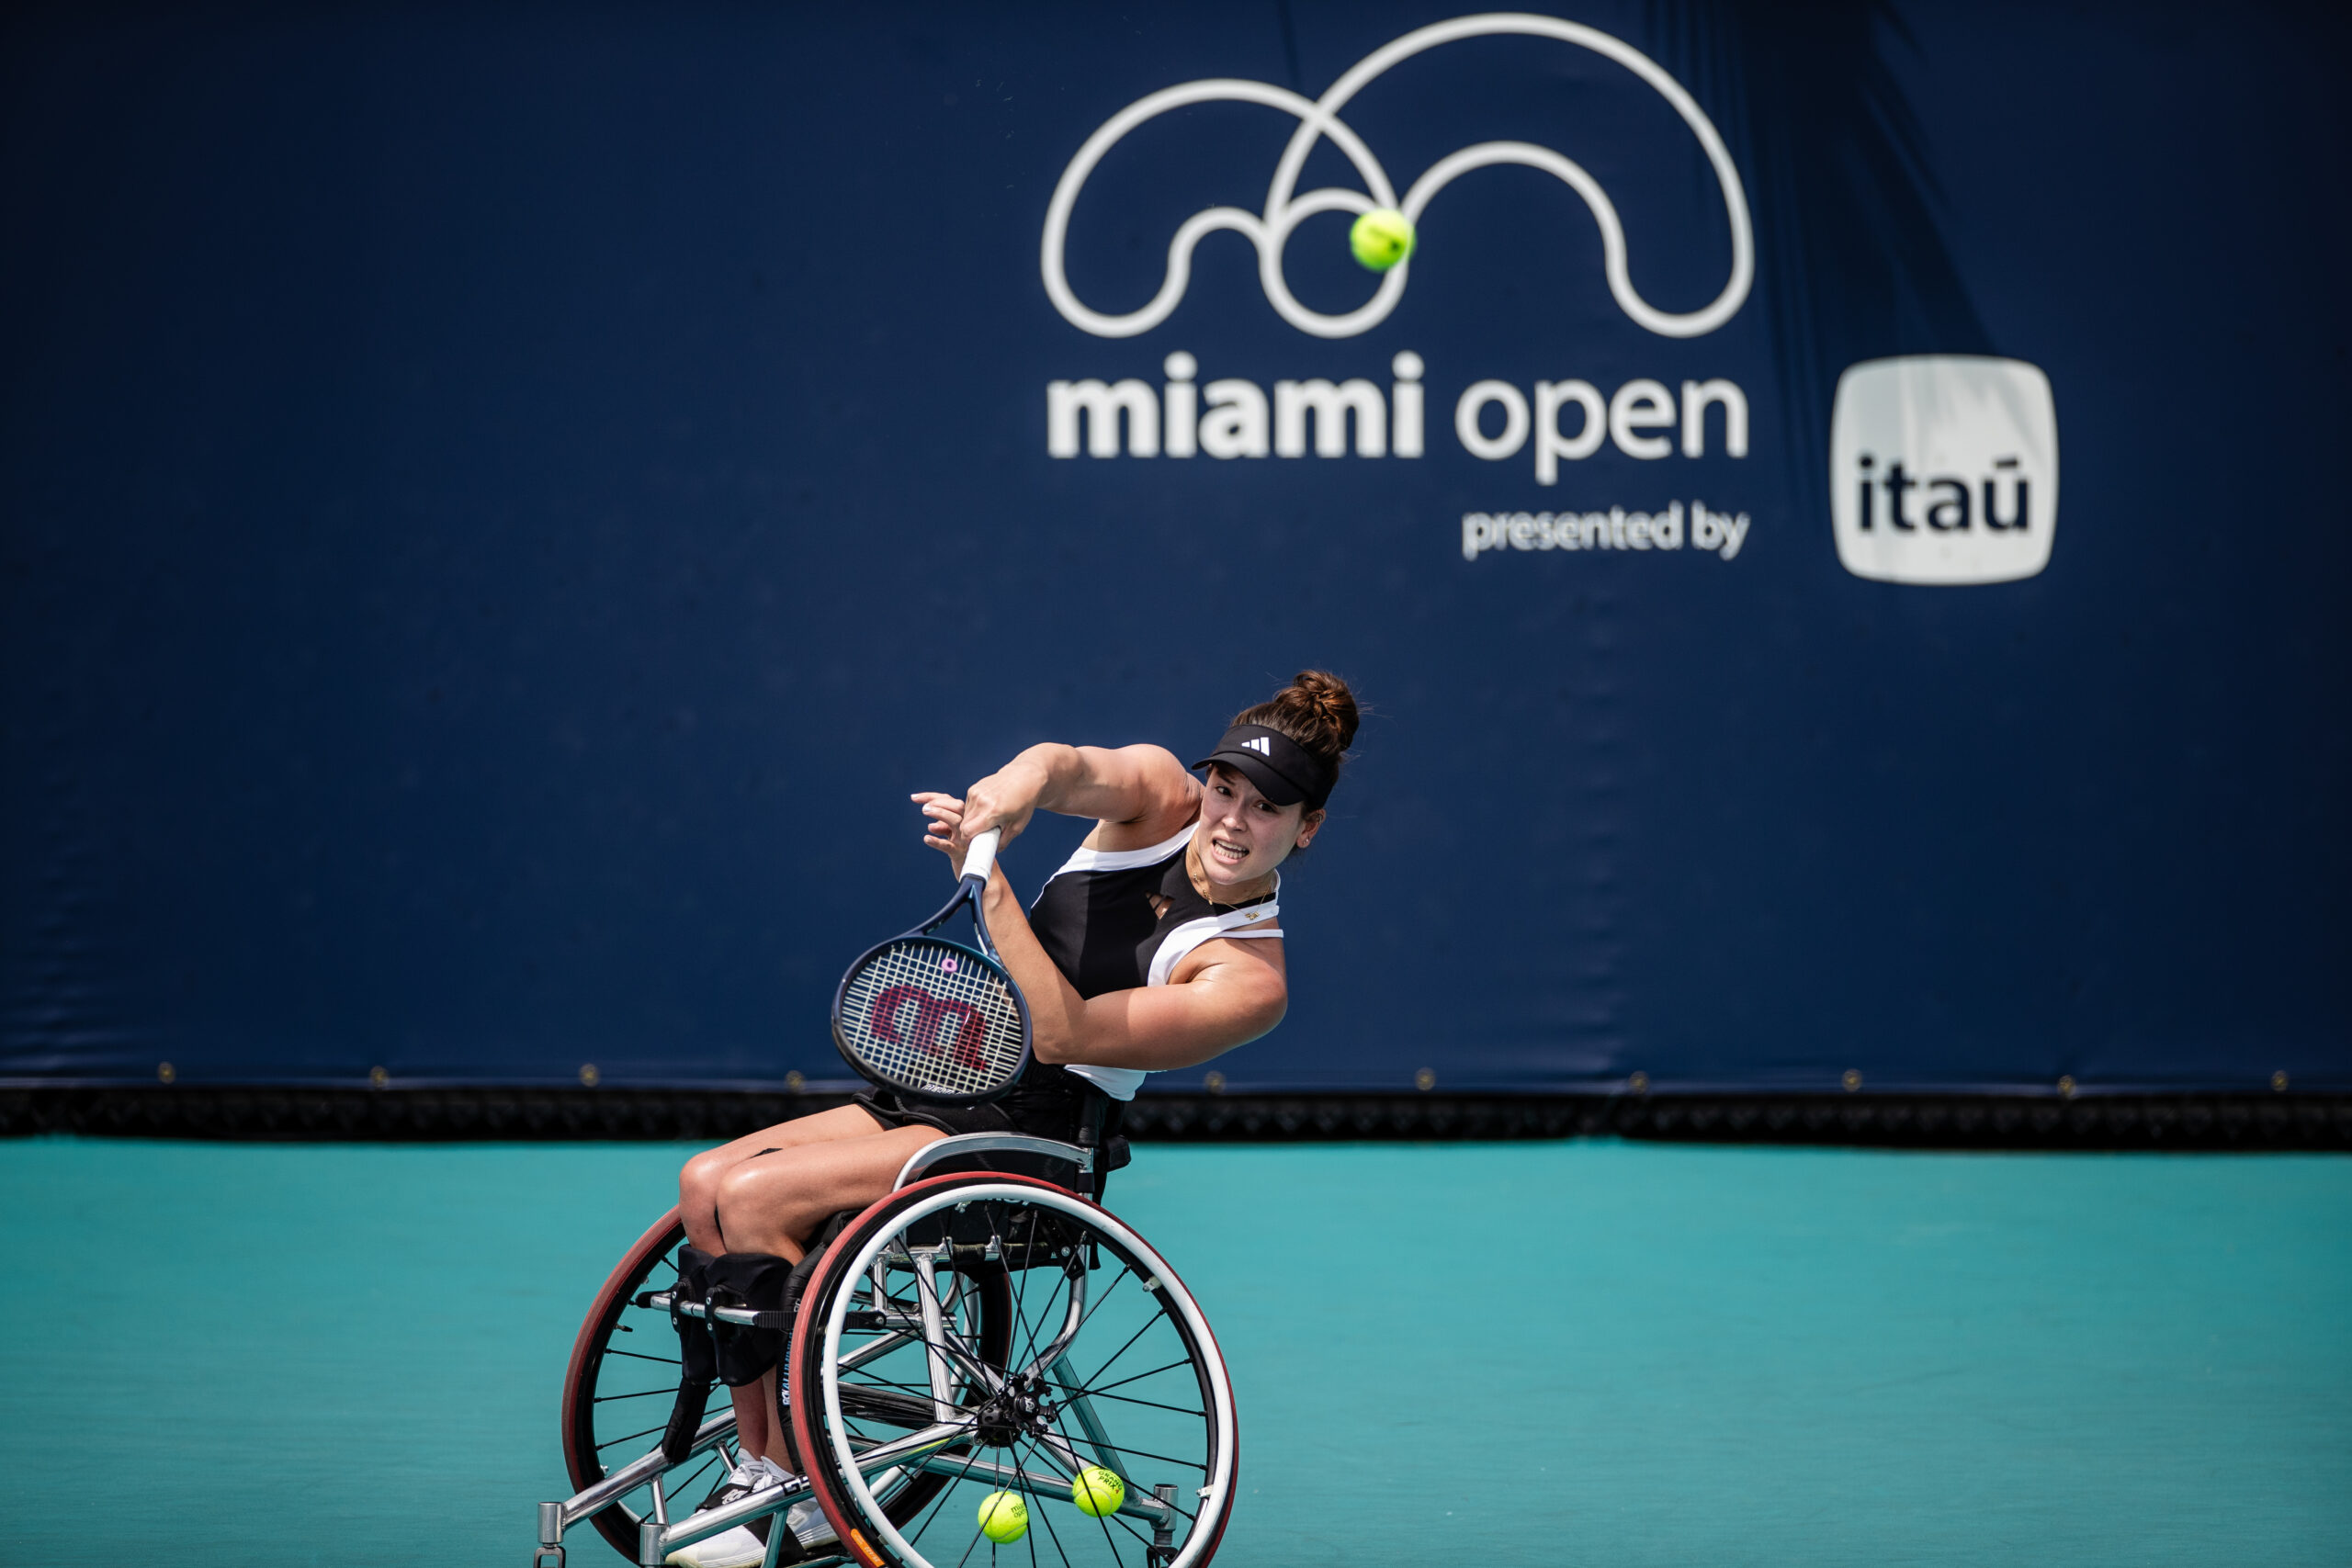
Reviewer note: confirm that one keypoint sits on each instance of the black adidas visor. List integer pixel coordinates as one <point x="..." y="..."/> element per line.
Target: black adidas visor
<point x="1284" y="772"/>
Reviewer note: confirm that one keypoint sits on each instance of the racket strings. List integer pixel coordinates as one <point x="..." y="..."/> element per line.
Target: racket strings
<point x="933" y="1015"/>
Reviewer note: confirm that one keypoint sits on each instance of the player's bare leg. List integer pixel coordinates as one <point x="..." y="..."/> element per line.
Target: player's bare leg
<point x="773" y="1199"/>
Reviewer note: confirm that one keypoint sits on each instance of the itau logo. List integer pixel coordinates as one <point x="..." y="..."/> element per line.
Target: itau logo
<point x="1943" y="469"/>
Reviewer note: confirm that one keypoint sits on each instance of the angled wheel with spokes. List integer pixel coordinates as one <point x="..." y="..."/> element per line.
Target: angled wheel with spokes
<point x="906" y="1425"/>
<point x="622" y="1379"/>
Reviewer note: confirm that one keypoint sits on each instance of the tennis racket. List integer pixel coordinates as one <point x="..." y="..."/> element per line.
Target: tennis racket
<point x="932" y="1017"/>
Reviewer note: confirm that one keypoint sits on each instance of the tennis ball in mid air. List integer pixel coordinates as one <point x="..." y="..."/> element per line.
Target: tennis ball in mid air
<point x="1098" y="1491"/>
<point x="1381" y="237"/>
<point x="1004" y="1518"/>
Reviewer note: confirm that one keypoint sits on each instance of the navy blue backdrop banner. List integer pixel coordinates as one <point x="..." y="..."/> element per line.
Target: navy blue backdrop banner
<point x="501" y="503"/>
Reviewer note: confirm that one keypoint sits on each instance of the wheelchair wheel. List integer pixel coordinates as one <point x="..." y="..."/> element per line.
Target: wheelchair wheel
<point x="624" y="1376"/>
<point x="622" y="1379"/>
<point x="1110" y="1364"/>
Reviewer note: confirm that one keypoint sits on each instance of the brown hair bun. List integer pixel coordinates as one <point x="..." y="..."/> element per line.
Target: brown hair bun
<point x="1317" y="710"/>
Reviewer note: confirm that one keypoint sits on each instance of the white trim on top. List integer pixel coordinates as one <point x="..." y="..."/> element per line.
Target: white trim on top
<point x="1119" y="1083"/>
<point x="1177" y="945"/>
<point x="1083" y="859"/>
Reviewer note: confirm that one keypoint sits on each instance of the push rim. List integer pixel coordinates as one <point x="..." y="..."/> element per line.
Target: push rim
<point x="1141" y="1365"/>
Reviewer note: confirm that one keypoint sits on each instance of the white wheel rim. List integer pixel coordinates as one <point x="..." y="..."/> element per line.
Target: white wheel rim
<point x="1214" y="1494"/>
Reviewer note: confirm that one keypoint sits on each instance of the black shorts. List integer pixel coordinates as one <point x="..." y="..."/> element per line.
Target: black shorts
<point x="1048" y="1102"/>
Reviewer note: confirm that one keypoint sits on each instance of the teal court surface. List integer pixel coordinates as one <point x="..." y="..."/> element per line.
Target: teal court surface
<point x="1587" y="1353"/>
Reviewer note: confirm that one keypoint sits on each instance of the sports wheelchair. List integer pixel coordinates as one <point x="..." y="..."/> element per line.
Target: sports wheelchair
<point x="976" y="1330"/>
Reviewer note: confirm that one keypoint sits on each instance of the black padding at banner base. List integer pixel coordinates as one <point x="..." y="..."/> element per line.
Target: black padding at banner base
<point x="2319" y="1122"/>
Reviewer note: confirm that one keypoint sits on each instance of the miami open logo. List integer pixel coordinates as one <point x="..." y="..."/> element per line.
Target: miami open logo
<point x="1270" y="228"/>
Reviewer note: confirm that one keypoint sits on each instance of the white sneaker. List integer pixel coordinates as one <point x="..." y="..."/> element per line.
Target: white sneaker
<point x="809" y="1525"/>
<point x="806" y="1520"/>
<point x="737" y="1548"/>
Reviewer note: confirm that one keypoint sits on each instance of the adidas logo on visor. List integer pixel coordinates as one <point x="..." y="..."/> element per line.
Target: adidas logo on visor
<point x="1260" y="744"/>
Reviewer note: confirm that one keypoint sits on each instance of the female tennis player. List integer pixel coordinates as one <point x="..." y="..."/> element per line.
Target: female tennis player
<point x="1156" y="945"/>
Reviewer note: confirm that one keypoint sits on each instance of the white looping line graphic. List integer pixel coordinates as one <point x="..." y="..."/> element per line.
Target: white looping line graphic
<point x="1270" y="230"/>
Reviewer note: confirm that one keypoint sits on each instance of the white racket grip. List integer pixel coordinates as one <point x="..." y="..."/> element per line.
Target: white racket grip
<point x="980" y="855"/>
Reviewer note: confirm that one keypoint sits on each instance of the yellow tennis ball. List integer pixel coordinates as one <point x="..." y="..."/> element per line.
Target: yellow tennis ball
<point x="1004" y="1518"/>
<point x="1098" y="1491"/>
<point x="1381" y="237"/>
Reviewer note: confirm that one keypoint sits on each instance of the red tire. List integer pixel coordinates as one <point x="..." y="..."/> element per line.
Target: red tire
<point x="586" y="1378"/>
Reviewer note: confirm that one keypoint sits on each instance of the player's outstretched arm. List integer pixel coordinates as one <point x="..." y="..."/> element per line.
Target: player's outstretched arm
<point x="1138" y="795"/>
<point x="1231" y="992"/>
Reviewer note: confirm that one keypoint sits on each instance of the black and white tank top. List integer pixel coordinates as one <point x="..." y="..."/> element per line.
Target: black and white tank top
<point x="1095" y="919"/>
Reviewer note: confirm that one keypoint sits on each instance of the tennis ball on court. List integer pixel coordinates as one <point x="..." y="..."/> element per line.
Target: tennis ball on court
<point x="1381" y="237"/>
<point x="1098" y="1491"/>
<point x="1004" y="1518"/>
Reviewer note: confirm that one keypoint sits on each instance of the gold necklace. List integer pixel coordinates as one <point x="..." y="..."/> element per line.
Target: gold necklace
<point x="1200" y="877"/>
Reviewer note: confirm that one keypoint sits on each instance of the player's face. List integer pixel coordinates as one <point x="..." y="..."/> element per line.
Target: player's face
<point x="1245" y="835"/>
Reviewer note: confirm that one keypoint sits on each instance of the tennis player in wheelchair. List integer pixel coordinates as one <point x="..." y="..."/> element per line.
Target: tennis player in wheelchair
<point x="1158" y="945"/>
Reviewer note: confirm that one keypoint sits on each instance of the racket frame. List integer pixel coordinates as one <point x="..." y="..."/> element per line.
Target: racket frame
<point x="979" y="858"/>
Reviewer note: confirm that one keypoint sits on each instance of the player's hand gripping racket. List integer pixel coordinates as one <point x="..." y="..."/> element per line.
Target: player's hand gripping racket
<point x="932" y="1017"/>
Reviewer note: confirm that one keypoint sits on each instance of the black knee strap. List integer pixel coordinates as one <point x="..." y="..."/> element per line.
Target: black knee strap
<point x="757" y="1280"/>
<point x="698" y="1356"/>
